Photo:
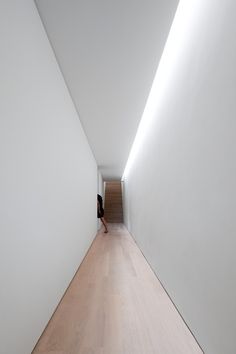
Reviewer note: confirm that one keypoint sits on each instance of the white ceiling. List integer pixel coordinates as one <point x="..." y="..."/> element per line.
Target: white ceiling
<point x="108" y="52"/>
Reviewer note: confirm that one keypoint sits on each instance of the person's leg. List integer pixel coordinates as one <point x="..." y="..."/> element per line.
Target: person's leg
<point x="104" y="223"/>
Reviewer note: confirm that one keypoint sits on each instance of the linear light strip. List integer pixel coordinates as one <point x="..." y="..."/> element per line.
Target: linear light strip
<point x="179" y="34"/>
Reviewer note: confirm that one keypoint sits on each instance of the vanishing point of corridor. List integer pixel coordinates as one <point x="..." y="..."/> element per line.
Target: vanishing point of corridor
<point x="116" y="305"/>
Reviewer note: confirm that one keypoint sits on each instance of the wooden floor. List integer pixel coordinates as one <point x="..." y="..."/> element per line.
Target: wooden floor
<point x="116" y="305"/>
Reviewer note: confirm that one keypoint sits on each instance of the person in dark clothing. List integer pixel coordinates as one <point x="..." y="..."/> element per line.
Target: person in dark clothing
<point x="100" y="211"/>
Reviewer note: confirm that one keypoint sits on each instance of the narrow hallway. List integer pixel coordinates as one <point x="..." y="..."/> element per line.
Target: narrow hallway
<point x="116" y="305"/>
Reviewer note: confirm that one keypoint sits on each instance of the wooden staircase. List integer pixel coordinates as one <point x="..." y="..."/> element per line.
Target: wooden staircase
<point x="113" y="202"/>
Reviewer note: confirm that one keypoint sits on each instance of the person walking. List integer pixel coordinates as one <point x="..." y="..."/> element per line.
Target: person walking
<point x="100" y="212"/>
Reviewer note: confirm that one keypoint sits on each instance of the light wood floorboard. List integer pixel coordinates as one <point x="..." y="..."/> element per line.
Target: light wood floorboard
<point x="116" y="305"/>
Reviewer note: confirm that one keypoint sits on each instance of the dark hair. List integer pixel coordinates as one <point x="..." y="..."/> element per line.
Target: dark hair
<point x="99" y="198"/>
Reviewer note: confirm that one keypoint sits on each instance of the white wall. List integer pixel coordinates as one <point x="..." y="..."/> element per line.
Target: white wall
<point x="100" y="184"/>
<point x="48" y="180"/>
<point x="180" y="195"/>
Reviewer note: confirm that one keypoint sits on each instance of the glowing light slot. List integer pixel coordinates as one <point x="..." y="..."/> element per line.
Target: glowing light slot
<point x="185" y="18"/>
